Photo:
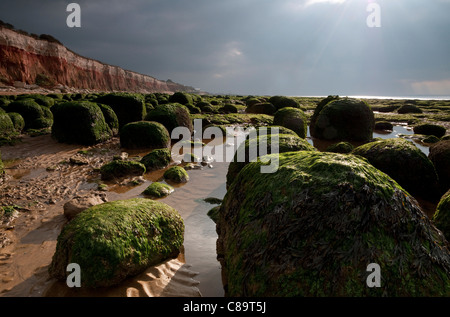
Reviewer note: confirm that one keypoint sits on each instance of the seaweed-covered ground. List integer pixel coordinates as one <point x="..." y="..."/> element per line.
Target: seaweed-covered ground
<point x="41" y="175"/>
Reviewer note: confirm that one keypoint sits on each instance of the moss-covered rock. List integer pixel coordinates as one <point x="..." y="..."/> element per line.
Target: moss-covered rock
<point x="340" y="147"/>
<point x="176" y="174"/>
<point x="292" y="118"/>
<point x="6" y="125"/>
<point x="42" y="100"/>
<point x="128" y="107"/>
<point x="441" y="217"/>
<point x="110" y="118"/>
<point x="282" y="102"/>
<point x="228" y="108"/>
<point x="158" y="190"/>
<point x="17" y="120"/>
<point x="157" y="159"/>
<point x="121" y="168"/>
<point x="181" y="97"/>
<point x="405" y="109"/>
<point x="384" y="126"/>
<point x="171" y="116"/>
<point x="35" y="116"/>
<point x="273" y="129"/>
<point x="144" y="134"/>
<point x="261" y="108"/>
<point x="405" y="163"/>
<point x="213" y="213"/>
<point x="79" y="122"/>
<point x="249" y="151"/>
<point x="440" y="156"/>
<point x="313" y="227"/>
<point x="430" y="129"/>
<point x="116" y="240"/>
<point x="343" y="120"/>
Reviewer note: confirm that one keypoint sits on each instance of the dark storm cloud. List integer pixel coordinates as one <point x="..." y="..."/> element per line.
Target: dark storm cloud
<point x="257" y="46"/>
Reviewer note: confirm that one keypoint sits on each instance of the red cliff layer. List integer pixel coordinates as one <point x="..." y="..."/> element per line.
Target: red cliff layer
<point x="49" y="64"/>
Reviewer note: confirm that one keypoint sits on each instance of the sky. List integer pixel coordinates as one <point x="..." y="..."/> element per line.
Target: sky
<point x="259" y="47"/>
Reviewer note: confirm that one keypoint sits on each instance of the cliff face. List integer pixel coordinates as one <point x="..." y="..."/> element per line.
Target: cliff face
<point x="26" y="60"/>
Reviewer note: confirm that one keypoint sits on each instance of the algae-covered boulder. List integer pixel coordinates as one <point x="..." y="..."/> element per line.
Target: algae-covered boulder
<point x="405" y="163"/>
<point x="6" y="125"/>
<point x="384" y="126"/>
<point x="250" y="150"/>
<point x="110" y="118"/>
<point x="430" y="129"/>
<point x="171" y="116"/>
<point x="144" y="134"/>
<point x="441" y="217"/>
<point x="121" y="168"/>
<point x="181" y="97"/>
<point x="343" y="120"/>
<point x="17" y="120"/>
<point x="158" y="190"/>
<point x="283" y="101"/>
<point x="79" y="122"/>
<point x="340" y="147"/>
<point x="128" y="107"/>
<point x="35" y="116"/>
<point x="261" y="108"/>
<point x="176" y="174"/>
<point x="292" y="118"/>
<point x="157" y="159"/>
<point x="405" y="109"/>
<point x="313" y="227"/>
<point x="115" y="240"/>
<point x="440" y="156"/>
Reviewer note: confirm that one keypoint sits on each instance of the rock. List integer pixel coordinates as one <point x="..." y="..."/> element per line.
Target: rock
<point x="158" y="190"/>
<point x="120" y="169"/>
<point x="213" y="213"/>
<point x="312" y="228"/>
<point x="79" y="122"/>
<point x="110" y="118"/>
<point x="293" y="119"/>
<point x="406" y="109"/>
<point x="282" y="102"/>
<point x="261" y="108"/>
<point x="272" y="129"/>
<point x="116" y="240"/>
<point x="157" y="159"/>
<point x="128" y="107"/>
<point x="440" y="156"/>
<point x="79" y="203"/>
<point x="6" y="126"/>
<point x="405" y="163"/>
<point x="171" y="116"/>
<point x="79" y="160"/>
<point x="144" y="134"/>
<point x="228" y="108"/>
<point x="343" y="120"/>
<point x="340" y="147"/>
<point x="34" y="115"/>
<point x="250" y="151"/>
<point x="181" y="97"/>
<point x="441" y="217"/>
<point x="384" y="126"/>
<point x="430" y="129"/>
<point x="176" y="174"/>
<point x="17" y="120"/>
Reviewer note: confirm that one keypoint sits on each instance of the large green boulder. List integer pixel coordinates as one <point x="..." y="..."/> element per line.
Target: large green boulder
<point x="110" y="118"/>
<point x="116" y="240"/>
<point x="6" y="125"/>
<point x="17" y="120"/>
<point x="440" y="156"/>
<point x="171" y="115"/>
<point x="144" y="134"/>
<point x="157" y="159"/>
<point x="430" y="129"/>
<point x="343" y="120"/>
<point x="404" y="162"/>
<point x="249" y="151"/>
<point x="35" y="116"/>
<point x="127" y="106"/>
<point x="176" y="174"/>
<point x="313" y="227"/>
<point x="283" y="101"/>
<point x="158" y="190"/>
<point x="79" y="122"/>
<point x="120" y="168"/>
<point x="441" y="217"/>
<point x="181" y="97"/>
<point x="292" y="118"/>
